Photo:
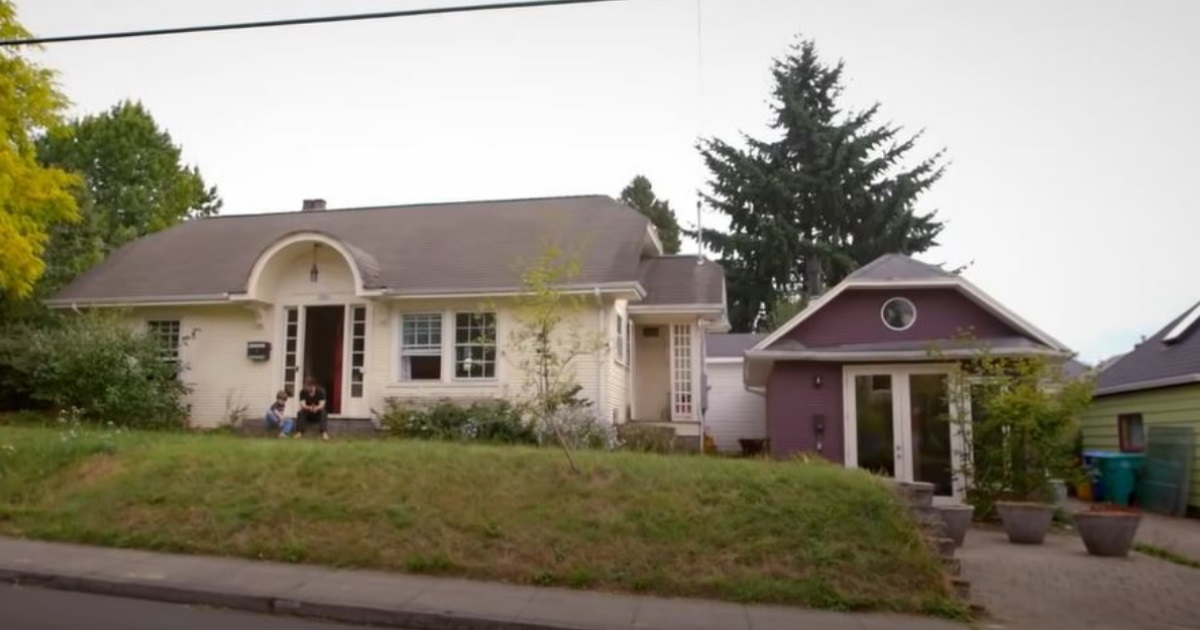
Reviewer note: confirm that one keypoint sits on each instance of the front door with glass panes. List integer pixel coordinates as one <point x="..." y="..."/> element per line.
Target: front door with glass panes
<point x="899" y="423"/>
<point x="329" y="343"/>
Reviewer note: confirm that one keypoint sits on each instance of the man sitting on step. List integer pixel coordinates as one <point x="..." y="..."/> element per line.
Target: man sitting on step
<point x="312" y="408"/>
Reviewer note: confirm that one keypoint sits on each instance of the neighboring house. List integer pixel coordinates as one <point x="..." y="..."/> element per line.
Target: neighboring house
<point x="414" y="303"/>
<point x="1157" y="384"/>
<point x="734" y="412"/>
<point x="853" y="377"/>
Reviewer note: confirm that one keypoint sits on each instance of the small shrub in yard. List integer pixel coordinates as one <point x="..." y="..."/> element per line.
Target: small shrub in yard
<point x="647" y="439"/>
<point x="579" y="427"/>
<point x="98" y="365"/>
<point x="495" y="421"/>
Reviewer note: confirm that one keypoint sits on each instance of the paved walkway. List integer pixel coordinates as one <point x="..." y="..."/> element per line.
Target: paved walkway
<point x="397" y="600"/>
<point x="1058" y="586"/>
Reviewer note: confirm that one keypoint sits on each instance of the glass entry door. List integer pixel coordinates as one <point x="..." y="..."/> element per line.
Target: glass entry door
<point x="898" y="423"/>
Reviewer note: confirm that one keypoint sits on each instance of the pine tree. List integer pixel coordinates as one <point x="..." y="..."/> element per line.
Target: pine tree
<point x="830" y="193"/>
<point x="639" y="195"/>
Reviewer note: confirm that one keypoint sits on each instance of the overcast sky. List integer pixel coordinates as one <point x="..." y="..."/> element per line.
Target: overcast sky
<point x="1071" y="126"/>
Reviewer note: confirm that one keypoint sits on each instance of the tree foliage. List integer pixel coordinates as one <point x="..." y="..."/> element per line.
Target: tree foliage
<point x="547" y="340"/>
<point x="135" y="183"/>
<point x="1016" y="419"/>
<point x="832" y="191"/>
<point x="32" y="196"/>
<point x="639" y="195"/>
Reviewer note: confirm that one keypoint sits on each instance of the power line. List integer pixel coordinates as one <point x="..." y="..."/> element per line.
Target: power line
<point x="294" y="22"/>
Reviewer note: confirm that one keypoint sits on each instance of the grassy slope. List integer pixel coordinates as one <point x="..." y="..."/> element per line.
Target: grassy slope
<point x="806" y="534"/>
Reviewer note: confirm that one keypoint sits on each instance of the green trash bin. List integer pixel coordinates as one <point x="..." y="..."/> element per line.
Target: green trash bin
<point x="1120" y="472"/>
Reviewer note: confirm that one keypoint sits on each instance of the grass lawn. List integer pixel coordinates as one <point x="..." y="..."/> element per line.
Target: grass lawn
<point x="749" y="531"/>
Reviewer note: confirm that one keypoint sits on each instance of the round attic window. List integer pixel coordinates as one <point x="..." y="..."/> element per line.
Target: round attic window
<point x="899" y="314"/>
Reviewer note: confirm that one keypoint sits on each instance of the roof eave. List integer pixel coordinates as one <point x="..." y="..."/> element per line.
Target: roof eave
<point x="141" y="301"/>
<point x="895" y="355"/>
<point x="1158" y="383"/>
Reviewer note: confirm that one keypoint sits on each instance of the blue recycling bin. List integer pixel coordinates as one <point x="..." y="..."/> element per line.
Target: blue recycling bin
<point x="1091" y="465"/>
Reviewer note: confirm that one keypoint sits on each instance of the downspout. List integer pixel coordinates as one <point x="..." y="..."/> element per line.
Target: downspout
<point x="600" y="355"/>
<point x="701" y="338"/>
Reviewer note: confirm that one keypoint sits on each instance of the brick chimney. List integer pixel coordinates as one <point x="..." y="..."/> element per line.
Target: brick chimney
<point x="313" y="205"/>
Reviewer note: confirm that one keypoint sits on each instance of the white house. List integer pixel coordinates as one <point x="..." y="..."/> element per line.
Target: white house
<point x="412" y="302"/>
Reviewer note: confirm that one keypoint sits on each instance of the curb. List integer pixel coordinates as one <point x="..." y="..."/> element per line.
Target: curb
<point x="263" y="604"/>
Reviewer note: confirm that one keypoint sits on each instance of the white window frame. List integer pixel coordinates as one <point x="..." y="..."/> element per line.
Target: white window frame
<point x="621" y="345"/>
<point x="455" y="345"/>
<point x="171" y="339"/>
<point x="422" y="350"/>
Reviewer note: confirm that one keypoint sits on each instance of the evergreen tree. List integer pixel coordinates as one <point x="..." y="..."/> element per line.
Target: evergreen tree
<point x="639" y="195"/>
<point x="830" y="193"/>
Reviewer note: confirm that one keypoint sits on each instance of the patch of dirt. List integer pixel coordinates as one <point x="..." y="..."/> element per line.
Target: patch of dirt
<point x="96" y="469"/>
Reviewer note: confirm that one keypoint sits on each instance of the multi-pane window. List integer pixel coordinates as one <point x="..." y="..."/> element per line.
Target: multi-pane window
<point x="1131" y="433"/>
<point x="166" y="332"/>
<point x="474" y="345"/>
<point x="290" y="351"/>
<point x="358" y="349"/>
<point x="681" y="371"/>
<point x="421" y="347"/>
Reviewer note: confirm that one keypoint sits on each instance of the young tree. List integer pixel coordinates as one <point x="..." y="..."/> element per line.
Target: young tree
<point x="548" y="339"/>
<point x="32" y="197"/>
<point x="134" y="184"/>
<point x="831" y="192"/>
<point x="639" y="195"/>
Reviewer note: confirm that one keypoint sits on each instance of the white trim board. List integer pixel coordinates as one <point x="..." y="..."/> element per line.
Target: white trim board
<point x="976" y="294"/>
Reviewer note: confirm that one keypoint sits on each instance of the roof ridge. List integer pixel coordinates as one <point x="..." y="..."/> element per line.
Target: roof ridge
<point x="461" y="202"/>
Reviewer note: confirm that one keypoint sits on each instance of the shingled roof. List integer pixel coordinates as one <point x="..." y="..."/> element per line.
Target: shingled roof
<point x="463" y="247"/>
<point x="1156" y="362"/>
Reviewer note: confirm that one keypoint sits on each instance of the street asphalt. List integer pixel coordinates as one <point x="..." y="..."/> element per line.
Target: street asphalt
<point x="24" y="608"/>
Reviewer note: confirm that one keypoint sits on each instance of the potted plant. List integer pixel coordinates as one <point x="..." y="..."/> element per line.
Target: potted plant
<point x="1107" y="529"/>
<point x="1016" y="418"/>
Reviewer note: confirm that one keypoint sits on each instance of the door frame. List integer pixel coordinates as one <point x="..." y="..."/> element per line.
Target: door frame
<point x="350" y="407"/>
<point x="901" y="416"/>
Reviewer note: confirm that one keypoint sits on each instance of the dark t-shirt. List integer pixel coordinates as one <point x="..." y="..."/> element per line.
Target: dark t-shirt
<point x="317" y="396"/>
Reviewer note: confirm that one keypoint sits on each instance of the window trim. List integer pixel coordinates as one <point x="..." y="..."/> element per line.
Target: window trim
<point x="454" y="345"/>
<point x="621" y="353"/>
<point x="883" y="313"/>
<point x="171" y="352"/>
<point x="1123" y="432"/>
<point x="423" y="351"/>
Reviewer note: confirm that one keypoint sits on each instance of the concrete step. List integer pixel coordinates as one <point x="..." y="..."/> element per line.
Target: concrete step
<point x="343" y="427"/>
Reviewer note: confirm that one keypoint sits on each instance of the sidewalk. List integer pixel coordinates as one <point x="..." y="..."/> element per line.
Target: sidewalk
<point x="404" y="601"/>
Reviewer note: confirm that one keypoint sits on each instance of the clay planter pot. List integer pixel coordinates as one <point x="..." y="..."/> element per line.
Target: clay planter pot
<point x="957" y="519"/>
<point x="1025" y="523"/>
<point x="1107" y="532"/>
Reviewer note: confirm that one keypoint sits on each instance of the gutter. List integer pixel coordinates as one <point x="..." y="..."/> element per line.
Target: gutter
<point x="165" y="300"/>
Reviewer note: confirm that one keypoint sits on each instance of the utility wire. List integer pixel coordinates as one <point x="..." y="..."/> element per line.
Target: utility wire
<point x="31" y="41"/>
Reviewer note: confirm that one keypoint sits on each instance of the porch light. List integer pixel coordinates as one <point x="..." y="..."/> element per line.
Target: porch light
<point x="313" y="272"/>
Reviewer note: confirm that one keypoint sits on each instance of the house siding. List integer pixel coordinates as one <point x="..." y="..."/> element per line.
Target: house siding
<point x="1176" y="406"/>
<point x="223" y="380"/>
<point x="224" y="383"/>
<point x="733" y="412"/>
<point x="792" y="401"/>
<point x="617" y="371"/>
<point x="854" y="318"/>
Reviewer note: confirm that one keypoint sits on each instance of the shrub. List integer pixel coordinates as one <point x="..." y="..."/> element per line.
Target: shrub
<point x="97" y="364"/>
<point x="579" y="427"/>
<point x="493" y="421"/>
<point x="647" y="438"/>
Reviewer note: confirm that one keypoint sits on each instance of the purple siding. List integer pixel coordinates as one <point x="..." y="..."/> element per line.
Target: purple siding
<point x="853" y="317"/>
<point x="792" y="401"/>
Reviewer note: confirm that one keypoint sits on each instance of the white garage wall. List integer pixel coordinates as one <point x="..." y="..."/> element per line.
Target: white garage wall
<point x="733" y="412"/>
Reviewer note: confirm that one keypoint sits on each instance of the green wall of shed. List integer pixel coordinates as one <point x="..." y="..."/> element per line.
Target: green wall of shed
<point x="1175" y="406"/>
